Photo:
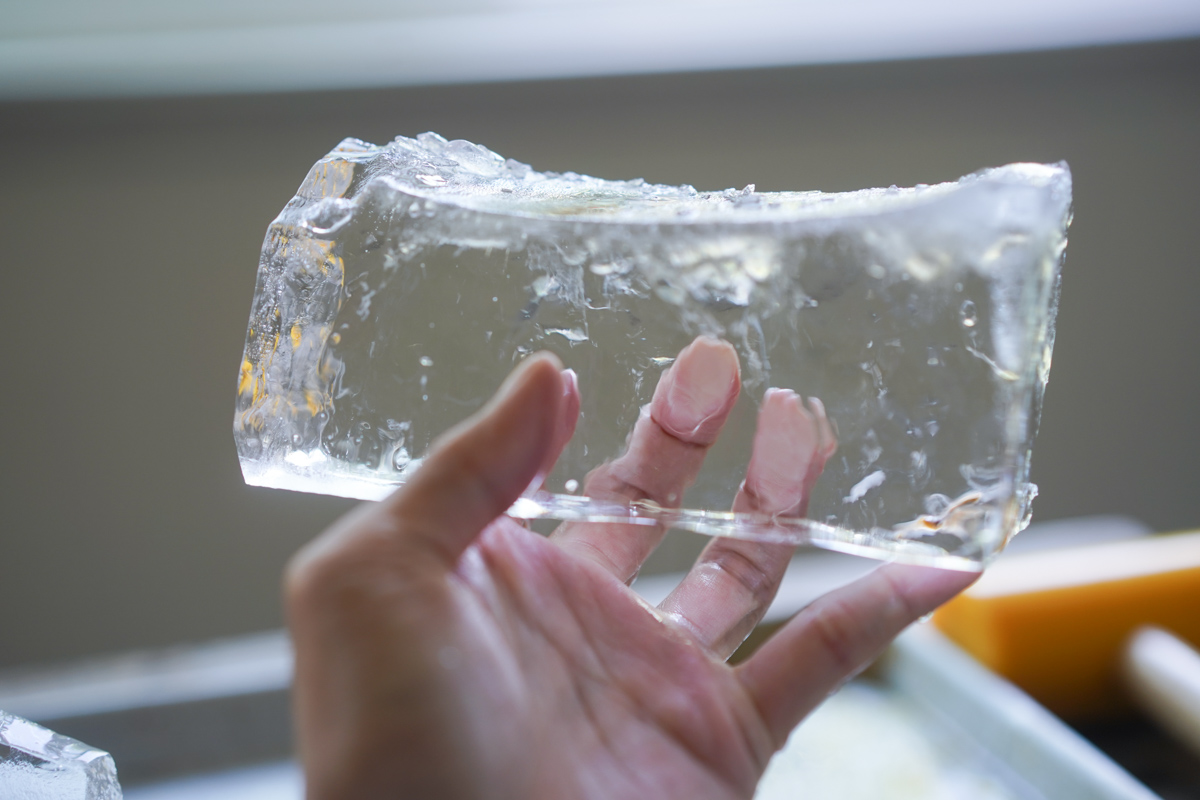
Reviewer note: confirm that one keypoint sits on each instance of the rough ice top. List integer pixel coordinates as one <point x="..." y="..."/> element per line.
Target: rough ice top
<point x="471" y="176"/>
<point x="403" y="282"/>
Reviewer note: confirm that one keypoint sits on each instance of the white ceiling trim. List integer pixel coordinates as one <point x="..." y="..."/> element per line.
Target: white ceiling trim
<point x="567" y="41"/>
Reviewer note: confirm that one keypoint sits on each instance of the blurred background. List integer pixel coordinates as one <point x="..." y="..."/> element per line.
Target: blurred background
<point x="145" y="147"/>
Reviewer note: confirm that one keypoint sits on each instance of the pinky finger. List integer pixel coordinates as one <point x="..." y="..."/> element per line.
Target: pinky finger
<point x="837" y="636"/>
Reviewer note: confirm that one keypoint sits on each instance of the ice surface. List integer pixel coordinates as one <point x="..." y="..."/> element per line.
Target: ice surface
<point x="404" y="281"/>
<point x="39" y="764"/>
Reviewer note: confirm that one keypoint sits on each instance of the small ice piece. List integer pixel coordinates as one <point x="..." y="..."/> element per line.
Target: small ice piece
<point x="404" y="281"/>
<point x="39" y="764"/>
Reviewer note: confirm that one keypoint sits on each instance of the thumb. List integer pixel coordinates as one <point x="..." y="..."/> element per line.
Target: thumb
<point x="475" y="471"/>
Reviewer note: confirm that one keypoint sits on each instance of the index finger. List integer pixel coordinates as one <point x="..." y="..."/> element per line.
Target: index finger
<point x="837" y="636"/>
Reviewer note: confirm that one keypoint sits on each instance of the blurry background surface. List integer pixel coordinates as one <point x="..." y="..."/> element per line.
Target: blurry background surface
<point x="80" y="48"/>
<point x="132" y="225"/>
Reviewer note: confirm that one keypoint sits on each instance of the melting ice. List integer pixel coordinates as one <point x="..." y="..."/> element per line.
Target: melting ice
<point x="404" y="281"/>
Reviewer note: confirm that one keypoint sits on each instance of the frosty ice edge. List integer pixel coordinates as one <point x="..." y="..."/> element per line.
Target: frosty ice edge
<point x="38" y="764"/>
<point x="404" y="281"/>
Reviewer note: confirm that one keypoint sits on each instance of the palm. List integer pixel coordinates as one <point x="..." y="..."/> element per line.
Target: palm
<point x="596" y="682"/>
<point x="442" y="650"/>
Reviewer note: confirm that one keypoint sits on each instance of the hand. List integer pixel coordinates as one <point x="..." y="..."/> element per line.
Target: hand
<point x="444" y="650"/>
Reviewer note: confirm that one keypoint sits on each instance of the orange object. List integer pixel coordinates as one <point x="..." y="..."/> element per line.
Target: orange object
<point x="1054" y="622"/>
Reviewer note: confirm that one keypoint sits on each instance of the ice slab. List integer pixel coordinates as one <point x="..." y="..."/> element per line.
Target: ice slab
<point x="39" y="764"/>
<point x="404" y="281"/>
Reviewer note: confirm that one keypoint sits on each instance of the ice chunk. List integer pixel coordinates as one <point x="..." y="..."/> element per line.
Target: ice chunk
<point x="403" y="282"/>
<point x="39" y="764"/>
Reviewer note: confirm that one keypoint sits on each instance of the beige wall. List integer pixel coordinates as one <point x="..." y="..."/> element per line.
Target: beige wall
<point x="131" y="232"/>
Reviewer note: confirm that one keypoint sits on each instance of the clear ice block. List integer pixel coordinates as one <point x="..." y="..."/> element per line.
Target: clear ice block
<point x="404" y="281"/>
<point x="39" y="764"/>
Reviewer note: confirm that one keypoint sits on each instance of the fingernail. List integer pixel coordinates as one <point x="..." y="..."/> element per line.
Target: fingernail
<point x="704" y="377"/>
<point x="570" y="382"/>
<point x="569" y="415"/>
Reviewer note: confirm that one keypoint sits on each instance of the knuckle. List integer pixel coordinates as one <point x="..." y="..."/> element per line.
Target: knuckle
<point x="838" y="634"/>
<point x="752" y="573"/>
<point x="607" y="483"/>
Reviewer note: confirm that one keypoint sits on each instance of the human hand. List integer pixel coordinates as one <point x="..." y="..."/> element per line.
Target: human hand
<point x="444" y="650"/>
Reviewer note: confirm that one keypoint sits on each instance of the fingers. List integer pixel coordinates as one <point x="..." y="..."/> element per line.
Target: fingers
<point x="733" y="582"/>
<point x="837" y="636"/>
<point x="666" y="449"/>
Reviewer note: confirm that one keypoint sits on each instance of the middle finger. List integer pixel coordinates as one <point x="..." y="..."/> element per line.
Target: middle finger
<point x="665" y="453"/>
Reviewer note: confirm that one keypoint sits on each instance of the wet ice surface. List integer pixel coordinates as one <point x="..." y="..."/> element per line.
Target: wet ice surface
<point x="404" y="281"/>
<point x="39" y="764"/>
